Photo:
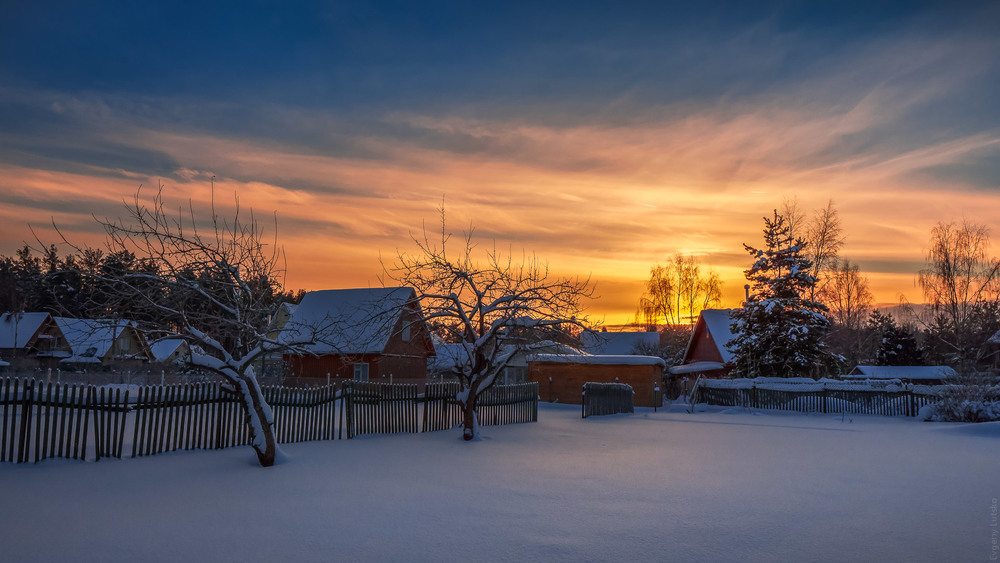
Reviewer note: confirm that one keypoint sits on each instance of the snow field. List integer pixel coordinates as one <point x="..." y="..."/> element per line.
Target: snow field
<point x="726" y="484"/>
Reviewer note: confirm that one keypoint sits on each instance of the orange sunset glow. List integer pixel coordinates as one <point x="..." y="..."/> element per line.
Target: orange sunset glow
<point x="602" y="179"/>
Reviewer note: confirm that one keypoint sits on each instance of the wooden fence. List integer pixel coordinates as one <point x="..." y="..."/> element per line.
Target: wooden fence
<point x="39" y="420"/>
<point x="378" y="408"/>
<point x="441" y="408"/>
<point x="607" y="398"/>
<point x="851" y="399"/>
<point x="508" y="404"/>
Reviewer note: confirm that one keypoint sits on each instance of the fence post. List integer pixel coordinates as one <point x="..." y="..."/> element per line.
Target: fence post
<point x="27" y="404"/>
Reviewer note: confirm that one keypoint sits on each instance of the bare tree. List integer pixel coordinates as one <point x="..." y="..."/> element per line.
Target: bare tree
<point x="847" y="296"/>
<point x="962" y="284"/>
<point x="850" y="301"/>
<point x="215" y="284"/>
<point x="823" y="235"/>
<point x="677" y="291"/>
<point x="824" y="239"/>
<point x="486" y="307"/>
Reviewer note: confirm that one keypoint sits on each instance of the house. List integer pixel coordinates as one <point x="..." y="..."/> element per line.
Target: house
<point x="364" y="334"/>
<point x="451" y="356"/>
<point x="170" y="351"/>
<point x="27" y="334"/>
<point x="619" y="343"/>
<point x="707" y="352"/>
<point x="923" y="375"/>
<point x="561" y="377"/>
<point x="100" y="342"/>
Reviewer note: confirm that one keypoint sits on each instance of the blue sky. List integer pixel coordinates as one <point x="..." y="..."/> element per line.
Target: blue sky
<point x="643" y="128"/>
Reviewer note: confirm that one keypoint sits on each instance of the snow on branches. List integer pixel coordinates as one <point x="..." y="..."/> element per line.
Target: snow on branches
<point x="779" y="332"/>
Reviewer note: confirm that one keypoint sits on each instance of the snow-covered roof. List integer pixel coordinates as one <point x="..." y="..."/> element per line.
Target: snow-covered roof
<point x="163" y="349"/>
<point x="90" y="339"/>
<point x="16" y="329"/>
<point x="449" y="356"/>
<point x="901" y="372"/>
<point x="604" y="360"/>
<point x="617" y="343"/>
<point x="346" y="321"/>
<point x="717" y="321"/>
<point x="695" y="367"/>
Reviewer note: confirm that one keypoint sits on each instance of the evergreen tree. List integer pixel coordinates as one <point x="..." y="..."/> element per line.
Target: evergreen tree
<point x="779" y="332"/>
<point x="896" y="345"/>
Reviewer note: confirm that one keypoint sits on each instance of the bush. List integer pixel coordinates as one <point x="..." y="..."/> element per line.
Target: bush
<point x="971" y="402"/>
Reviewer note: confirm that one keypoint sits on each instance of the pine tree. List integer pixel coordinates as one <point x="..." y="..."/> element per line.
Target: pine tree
<point x="896" y="345"/>
<point x="779" y="332"/>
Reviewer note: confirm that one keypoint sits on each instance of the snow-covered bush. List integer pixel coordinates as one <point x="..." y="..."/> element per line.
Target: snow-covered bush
<point x="972" y="402"/>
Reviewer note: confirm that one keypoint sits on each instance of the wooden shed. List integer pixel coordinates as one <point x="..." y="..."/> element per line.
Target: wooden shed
<point x="561" y="377"/>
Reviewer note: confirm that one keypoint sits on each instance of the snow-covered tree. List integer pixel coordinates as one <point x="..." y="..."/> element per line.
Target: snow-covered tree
<point x="212" y="281"/>
<point x="491" y="308"/>
<point x="779" y="332"/>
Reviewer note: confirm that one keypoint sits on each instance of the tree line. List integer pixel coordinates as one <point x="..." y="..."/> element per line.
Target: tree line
<point x="810" y="311"/>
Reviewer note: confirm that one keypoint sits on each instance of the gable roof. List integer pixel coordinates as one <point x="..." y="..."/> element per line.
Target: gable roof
<point x="91" y="339"/>
<point x="616" y="343"/>
<point x="163" y="349"/>
<point x="901" y="372"/>
<point x="717" y="323"/>
<point x="16" y="329"/>
<point x="347" y="321"/>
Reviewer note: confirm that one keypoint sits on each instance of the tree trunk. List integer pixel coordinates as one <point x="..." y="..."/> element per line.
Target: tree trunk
<point x="260" y="421"/>
<point x="470" y="426"/>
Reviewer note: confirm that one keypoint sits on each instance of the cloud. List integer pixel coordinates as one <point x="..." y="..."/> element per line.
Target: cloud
<point x="603" y="155"/>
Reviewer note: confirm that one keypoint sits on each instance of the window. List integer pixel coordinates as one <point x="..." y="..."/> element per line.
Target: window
<point x="124" y="343"/>
<point x="406" y="333"/>
<point x="361" y="371"/>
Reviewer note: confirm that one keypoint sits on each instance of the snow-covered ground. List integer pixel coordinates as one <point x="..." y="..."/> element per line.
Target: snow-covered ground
<point x="722" y="485"/>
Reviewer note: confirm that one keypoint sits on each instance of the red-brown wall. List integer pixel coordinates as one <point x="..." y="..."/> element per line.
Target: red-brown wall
<point x="563" y="382"/>
<point x="406" y="361"/>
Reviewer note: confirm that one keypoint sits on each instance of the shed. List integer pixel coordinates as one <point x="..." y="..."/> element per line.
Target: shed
<point x="170" y="350"/>
<point x="619" y="343"/>
<point x="924" y="375"/>
<point x="561" y="377"/>
<point x="707" y="351"/>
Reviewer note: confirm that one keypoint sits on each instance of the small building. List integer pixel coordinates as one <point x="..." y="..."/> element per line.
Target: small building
<point x="450" y="356"/>
<point x="619" y="343"/>
<point x="24" y="335"/>
<point x="370" y="334"/>
<point x="921" y="375"/>
<point x="100" y="342"/>
<point x="170" y="351"/>
<point x="561" y="377"/>
<point x="707" y="352"/>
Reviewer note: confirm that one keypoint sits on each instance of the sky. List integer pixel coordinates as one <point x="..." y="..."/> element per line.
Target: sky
<point x="602" y="138"/>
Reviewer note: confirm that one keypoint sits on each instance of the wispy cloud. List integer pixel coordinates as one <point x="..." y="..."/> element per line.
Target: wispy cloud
<point x="640" y="148"/>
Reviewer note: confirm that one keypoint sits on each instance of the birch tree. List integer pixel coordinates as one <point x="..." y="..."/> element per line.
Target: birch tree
<point x="961" y="282"/>
<point x="677" y="291"/>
